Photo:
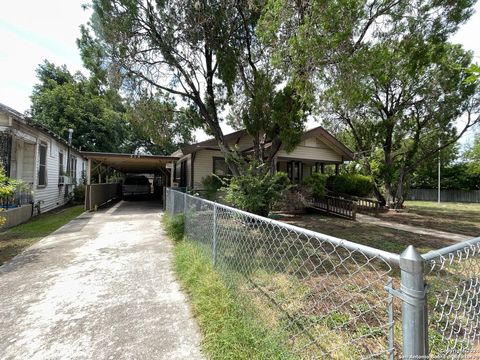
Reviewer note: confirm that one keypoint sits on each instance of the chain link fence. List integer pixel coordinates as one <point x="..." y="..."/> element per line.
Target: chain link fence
<point x="332" y="298"/>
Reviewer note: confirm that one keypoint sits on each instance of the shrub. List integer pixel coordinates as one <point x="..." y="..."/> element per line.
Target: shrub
<point x="350" y="184"/>
<point x="174" y="226"/>
<point x="212" y="184"/>
<point x="315" y="184"/>
<point x="255" y="189"/>
<point x="79" y="194"/>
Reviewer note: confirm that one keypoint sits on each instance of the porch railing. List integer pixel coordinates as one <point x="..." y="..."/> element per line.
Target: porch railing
<point x="21" y="196"/>
<point x="336" y="206"/>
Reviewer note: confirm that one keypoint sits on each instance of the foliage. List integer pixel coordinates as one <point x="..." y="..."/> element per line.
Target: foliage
<point x="255" y="189"/>
<point x="212" y="184"/>
<point x="230" y="330"/>
<point x="79" y="194"/>
<point x="7" y="185"/>
<point x="351" y="184"/>
<point x="316" y="184"/>
<point x="473" y="73"/>
<point x="160" y="129"/>
<point x="472" y="155"/>
<point x="62" y="100"/>
<point x="382" y="71"/>
<point x="202" y="54"/>
<point x="174" y="226"/>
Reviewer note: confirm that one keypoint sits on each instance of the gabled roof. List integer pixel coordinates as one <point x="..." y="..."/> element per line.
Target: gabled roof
<point x="26" y="120"/>
<point x="211" y="144"/>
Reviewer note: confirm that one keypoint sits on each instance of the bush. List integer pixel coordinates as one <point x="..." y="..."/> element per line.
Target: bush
<point x="79" y="194"/>
<point x="315" y="184"/>
<point x="174" y="226"/>
<point x="255" y="189"/>
<point x="350" y="184"/>
<point x="212" y="184"/>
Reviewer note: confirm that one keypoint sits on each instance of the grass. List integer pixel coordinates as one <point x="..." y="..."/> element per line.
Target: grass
<point x="14" y="240"/>
<point x="372" y="235"/>
<point x="460" y="218"/>
<point x="229" y="327"/>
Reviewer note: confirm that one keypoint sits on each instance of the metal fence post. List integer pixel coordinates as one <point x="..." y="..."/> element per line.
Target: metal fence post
<point x="172" y="195"/>
<point x="184" y="203"/>
<point x="414" y="309"/>
<point x="214" y="244"/>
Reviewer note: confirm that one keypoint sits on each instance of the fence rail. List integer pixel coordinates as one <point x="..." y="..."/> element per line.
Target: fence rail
<point x="472" y="196"/>
<point x="332" y="298"/>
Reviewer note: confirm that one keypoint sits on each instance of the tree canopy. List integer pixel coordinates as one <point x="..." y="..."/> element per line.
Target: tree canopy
<point x="205" y="54"/>
<point x="384" y="73"/>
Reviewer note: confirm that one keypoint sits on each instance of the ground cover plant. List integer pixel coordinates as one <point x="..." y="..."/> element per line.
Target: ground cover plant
<point x="14" y="240"/>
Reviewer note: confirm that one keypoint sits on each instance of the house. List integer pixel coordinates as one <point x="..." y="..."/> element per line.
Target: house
<point x="42" y="159"/>
<point x="317" y="149"/>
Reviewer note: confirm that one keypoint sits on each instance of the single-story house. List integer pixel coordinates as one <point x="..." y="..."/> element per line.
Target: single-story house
<point x="317" y="148"/>
<point x="43" y="160"/>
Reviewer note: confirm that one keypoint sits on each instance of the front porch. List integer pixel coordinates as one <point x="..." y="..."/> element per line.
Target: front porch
<point x="300" y="169"/>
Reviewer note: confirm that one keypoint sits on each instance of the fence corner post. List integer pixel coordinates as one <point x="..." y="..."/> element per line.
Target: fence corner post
<point x="214" y="238"/>
<point x="414" y="309"/>
<point x="185" y="202"/>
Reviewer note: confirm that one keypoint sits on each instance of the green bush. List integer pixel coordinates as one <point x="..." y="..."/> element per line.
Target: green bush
<point x="315" y="184"/>
<point x="255" y="189"/>
<point x="212" y="184"/>
<point x="79" y="194"/>
<point x="350" y="184"/>
<point x="174" y="226"/>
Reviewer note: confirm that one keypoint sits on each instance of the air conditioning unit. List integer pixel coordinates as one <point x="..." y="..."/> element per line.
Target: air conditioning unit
<point x="63" y="180"/>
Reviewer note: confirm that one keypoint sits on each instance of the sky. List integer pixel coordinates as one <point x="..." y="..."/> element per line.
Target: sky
<point x="32" y="31"/>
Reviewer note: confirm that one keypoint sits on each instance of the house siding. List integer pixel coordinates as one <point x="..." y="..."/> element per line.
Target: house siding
<point x="25" y="162"/>
<point x="311" y="153"/>
<point x="203" y="165"/>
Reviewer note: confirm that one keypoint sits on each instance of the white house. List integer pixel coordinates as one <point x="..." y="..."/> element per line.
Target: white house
<point x="34" y="154"/>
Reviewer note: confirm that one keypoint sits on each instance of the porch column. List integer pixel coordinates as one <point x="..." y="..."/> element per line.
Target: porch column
<point x="337" y="166"/>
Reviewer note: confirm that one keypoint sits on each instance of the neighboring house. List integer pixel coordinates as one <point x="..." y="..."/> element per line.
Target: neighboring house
<point x="40" y="158"/>
<point x="317" y="149"/>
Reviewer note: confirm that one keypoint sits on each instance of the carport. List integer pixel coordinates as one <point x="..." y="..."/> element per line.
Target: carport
<point x="102" y="188"/>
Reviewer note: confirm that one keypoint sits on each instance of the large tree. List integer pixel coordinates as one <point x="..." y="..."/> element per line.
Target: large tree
<point x="202" y="53"/>
<point x="382" y="70"/>
<point x="62" y="100"/>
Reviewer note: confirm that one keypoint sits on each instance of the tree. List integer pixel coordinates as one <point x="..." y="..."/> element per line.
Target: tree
<point x="384" y="72"/>
<point x="196" y="51"/>
<point x="159" y="127"/>
<point x="62" y="100"/>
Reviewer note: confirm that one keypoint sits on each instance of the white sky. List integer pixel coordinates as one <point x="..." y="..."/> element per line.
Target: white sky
<point x="33" y="30"/>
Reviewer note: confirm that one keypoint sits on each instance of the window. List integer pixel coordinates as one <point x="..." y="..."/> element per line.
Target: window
<point x="60" y="167"/>
<point x="73" y="169"/>
<point x="42" y="168"/>
<point x="220" y="167"/>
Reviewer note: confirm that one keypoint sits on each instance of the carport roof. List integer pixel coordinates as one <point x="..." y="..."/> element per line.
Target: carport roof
<point x="130" y="163"/>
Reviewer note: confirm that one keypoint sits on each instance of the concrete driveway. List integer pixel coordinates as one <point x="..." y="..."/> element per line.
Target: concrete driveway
<point x="101" y="287"/>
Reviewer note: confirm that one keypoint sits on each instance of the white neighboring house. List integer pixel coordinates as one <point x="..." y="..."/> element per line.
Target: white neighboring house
<point x="34" y="154"/>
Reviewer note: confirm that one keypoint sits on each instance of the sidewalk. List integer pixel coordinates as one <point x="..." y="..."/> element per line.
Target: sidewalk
<point x="101" y="287"/>
<point x="366" y="219"/>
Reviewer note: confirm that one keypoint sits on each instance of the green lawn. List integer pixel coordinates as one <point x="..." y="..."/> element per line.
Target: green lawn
<point x="14" y="240"/>
<point x="460" y="218"/>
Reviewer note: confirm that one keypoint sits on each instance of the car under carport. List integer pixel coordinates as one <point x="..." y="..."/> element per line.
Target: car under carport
<point x="102" y="191"/>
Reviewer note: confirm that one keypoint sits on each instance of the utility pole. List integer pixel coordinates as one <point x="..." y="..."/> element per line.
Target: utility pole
<point x="439" y="172"/>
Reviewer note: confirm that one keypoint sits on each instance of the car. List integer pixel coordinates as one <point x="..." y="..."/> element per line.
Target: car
<point x="136" y="185"/>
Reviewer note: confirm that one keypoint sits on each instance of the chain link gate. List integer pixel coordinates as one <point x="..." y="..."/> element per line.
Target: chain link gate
<point x="333" y="298"/>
